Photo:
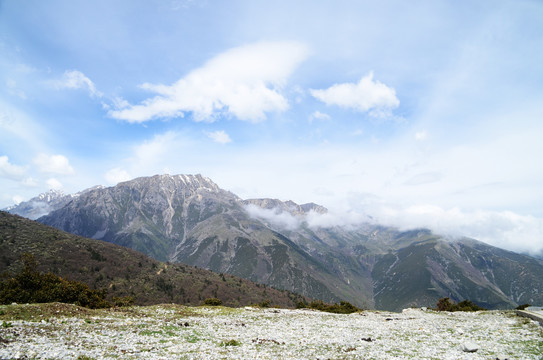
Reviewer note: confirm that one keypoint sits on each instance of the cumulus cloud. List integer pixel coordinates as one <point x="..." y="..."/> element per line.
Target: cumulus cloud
<point x="117" y="175"/>
<point x="219" y="136"/>
<point x="73" y="79"/>
<point x="53" y="164"/>
<point x="244" y="82"/>
<point x="363" y="96"/>
<point x="10" y="171"/>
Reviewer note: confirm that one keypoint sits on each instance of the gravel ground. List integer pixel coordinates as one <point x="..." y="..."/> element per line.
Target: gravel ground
<point x="59" y="331"/>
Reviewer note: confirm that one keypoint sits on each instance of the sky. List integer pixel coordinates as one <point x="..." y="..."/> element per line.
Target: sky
<point x="416" y="114"/>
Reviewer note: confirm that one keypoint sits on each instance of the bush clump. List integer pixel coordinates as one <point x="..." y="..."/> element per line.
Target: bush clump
<point x="343" y="307"/>
<point x="230" y="343"/>
<point x="32" y="286"/>
<point x="522" y="307"/>
<point x="124" y="301"/>
<point x="212" y="302"/>
<point x="264" y="304"/>
<point x="445" y="304"/>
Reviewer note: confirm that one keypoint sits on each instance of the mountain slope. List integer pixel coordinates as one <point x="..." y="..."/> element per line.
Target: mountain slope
<point x="189" y="219"/>
<point x="124" y="272"/>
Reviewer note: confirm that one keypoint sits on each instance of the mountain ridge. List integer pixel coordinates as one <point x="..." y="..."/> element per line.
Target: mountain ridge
<point x="189" y="219"/>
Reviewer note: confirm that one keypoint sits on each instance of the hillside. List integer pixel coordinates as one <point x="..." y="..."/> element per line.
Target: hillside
<point x="125" y="272"/>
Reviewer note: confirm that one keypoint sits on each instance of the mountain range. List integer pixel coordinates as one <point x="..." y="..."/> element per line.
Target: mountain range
<point x="189" y="219"/>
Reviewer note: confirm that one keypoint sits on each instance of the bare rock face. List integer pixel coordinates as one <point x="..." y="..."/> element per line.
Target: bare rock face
<point x="288" y="206"/>
<point x="40" y="205"/>
<point x="189" y="219"/>
<point x="149" y="214"/>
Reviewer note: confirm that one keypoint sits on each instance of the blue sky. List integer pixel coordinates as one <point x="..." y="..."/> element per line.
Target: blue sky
<point x="424" y="113"/>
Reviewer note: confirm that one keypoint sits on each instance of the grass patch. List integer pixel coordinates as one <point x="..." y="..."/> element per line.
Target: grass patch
<point x="38" y="312"/>
<point x="231" y="342"/>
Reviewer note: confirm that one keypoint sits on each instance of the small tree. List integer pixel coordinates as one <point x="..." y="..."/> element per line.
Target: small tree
<point x="444" y="304"/>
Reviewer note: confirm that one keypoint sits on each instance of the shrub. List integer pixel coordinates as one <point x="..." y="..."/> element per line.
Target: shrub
<point x="124" y="301"/>
<point x="212" y="302"/>
<point x="301" y="305"/>
<point x="6" y="324"/>
<point x="32" y="286"/>
<point x="522" y="307"/>
<point x="343" y="307"/>
<point x="445" y="304"/>
<point x="264" y="304"/>
<point x="230" y="343"/>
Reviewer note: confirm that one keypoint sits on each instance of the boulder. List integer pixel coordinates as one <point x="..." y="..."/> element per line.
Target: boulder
<point x="470" y="347"/>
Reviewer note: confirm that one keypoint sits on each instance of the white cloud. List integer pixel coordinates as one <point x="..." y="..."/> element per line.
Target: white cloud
<point x="17" y="199"/>
<point x="219" y="136"/>
<point x="54" y="184"/>
<point x="503" y="229"/>
<point x="317" y="115"/>
<point x="421" y="135"/>
<point x="53" y="164"/>
<point x="117" y="175"/>
<point x="424" y="178"/>
<point x="274" y="217"/>
<point x="164" y="153"/>
<point x="366" y="95"/>
<point x="74" y="79"/>
<point x="10" y="171"/>
<point x="14" y="90"/>
<point x="29" y="182"/>
<point x="244" y="82"/>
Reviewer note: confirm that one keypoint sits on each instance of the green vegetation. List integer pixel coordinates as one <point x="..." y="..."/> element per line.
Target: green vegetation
<point x="212" y="302"/>
<point x="230" y="343"/>
<point x="263" y="304"/>
<point x="342" y="307"/>
<point x="6" y="325"/>
<point x="445" y="304"/>
<point x="522" y="307"/>
<point x="32" y="286"/>
<point x="131" y="278"/>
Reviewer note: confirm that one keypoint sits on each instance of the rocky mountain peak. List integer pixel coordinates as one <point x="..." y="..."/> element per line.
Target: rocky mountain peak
<point x="174" y="182"/>
<point x="39" y="205"/>
<point x="286" y="206"/>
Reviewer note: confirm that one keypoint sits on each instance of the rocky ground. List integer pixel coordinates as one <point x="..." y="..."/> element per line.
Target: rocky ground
<point x="59" y="331"/>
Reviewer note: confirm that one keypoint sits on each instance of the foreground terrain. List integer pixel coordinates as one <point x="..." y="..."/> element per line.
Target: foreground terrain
<point x="60" y="331"/>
